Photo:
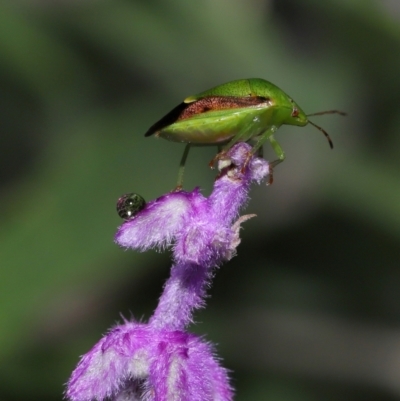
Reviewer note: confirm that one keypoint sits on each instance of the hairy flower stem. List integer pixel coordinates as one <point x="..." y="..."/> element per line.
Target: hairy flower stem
<point x="183" y="292"/>
<point x="160" y="360"/>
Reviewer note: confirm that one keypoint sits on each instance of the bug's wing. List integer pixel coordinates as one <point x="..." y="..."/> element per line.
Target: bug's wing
<point x="168" y="119"/>
<point x="201" y="108"/>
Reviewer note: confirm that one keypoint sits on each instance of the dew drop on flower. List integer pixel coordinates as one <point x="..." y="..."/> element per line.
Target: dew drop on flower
<point x="129" y="205"/>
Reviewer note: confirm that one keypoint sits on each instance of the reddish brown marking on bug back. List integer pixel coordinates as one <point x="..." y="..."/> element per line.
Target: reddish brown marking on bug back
<point x="203" y="105"/>
<point x="214" y="103"/>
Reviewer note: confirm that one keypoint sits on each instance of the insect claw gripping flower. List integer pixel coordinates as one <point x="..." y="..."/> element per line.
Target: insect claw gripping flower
<point x="160" y="360"/>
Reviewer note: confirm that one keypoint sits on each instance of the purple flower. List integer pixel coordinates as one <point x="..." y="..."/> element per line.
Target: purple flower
<point x="137" y="362"/>
<point x="160" y="360"/>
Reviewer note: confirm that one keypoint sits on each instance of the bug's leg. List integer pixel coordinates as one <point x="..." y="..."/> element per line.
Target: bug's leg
<point x="181" y="170"/>
<point x="221" y="153"/>
<point x="259" y="142"/>
<point x="278" y="150"/>
<point x="256" y="149"/>
<point x="281" y="157"/>
<point x="226" y="163"/>
<point x="260" y="153"/>
<point x="241" y="136"/>
<point x="268" y="134"/>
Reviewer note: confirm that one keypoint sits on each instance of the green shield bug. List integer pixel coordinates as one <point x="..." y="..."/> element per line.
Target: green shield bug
<point x="238" y="111"/>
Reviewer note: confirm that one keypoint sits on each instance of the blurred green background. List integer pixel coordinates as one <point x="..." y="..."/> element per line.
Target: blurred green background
<point x="310" y="307"/>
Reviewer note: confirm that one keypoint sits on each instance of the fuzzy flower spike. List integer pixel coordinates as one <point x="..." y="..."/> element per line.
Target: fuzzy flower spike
<point x="160" y="360"/>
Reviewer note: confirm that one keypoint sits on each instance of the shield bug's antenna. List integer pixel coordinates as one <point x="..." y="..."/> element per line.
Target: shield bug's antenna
<point x="320" y="113"/>
<point x="324" y="132"/>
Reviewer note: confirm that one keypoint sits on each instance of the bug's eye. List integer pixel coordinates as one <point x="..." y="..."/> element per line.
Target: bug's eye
<point x="129" y="205"/>
<point x="295" y="112"/>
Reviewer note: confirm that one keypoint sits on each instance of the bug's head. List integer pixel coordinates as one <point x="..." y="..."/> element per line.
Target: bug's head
<point x="295" y="115"/>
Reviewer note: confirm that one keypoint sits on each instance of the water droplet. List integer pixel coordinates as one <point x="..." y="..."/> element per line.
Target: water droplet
<point x="129" y="205"/>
